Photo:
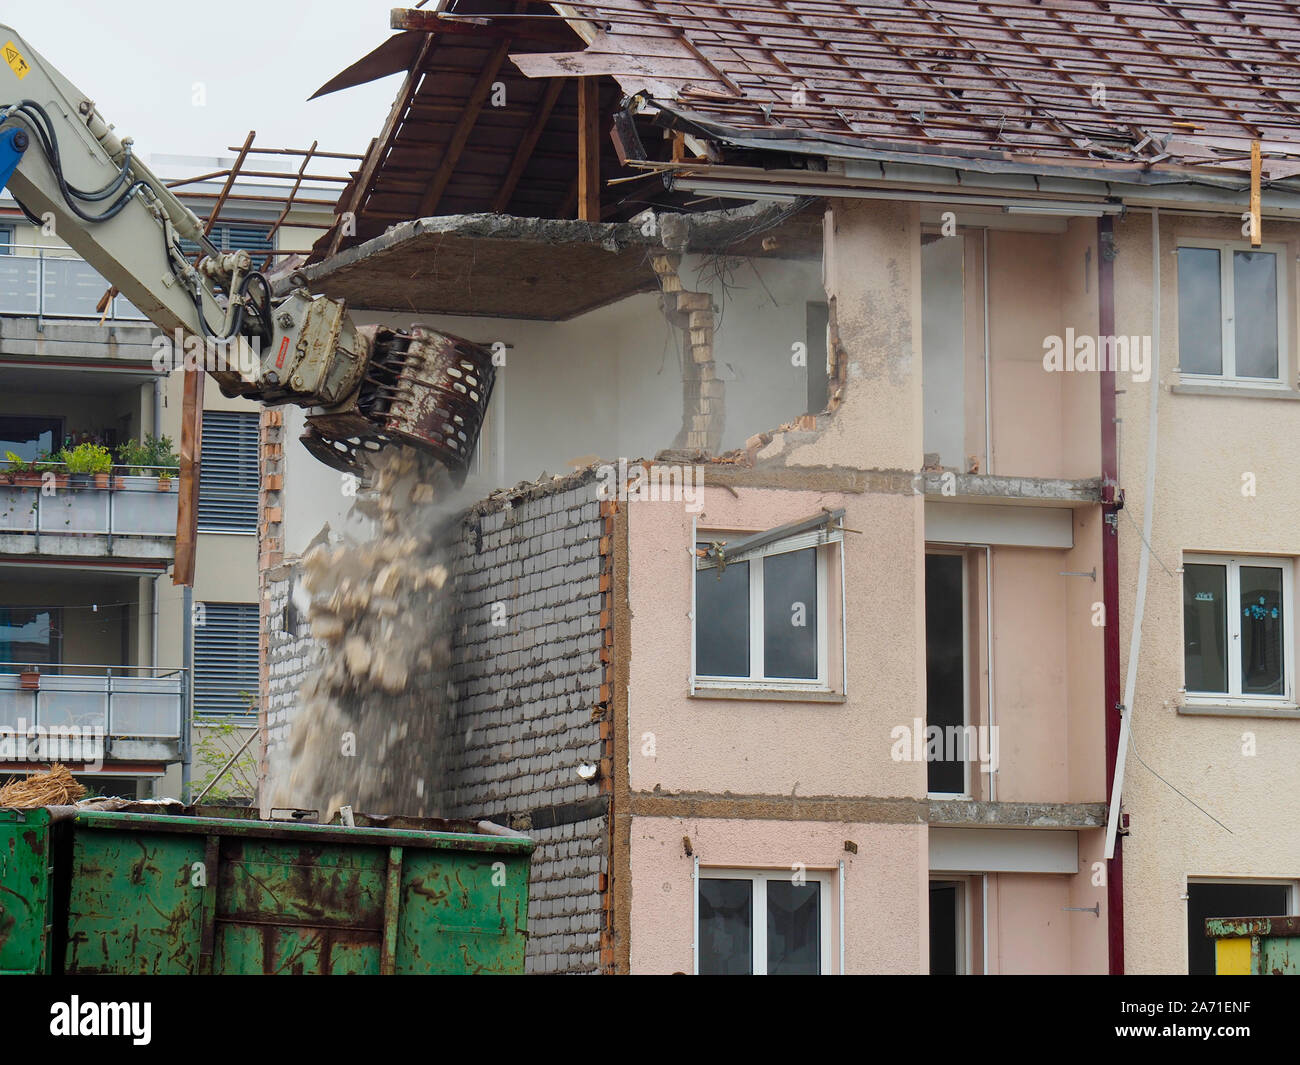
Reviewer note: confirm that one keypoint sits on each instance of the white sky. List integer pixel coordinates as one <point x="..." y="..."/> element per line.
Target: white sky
<point x="258" y="60"/>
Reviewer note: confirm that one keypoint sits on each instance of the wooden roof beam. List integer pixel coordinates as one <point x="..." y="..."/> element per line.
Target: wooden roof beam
<point x="541" y="115"/>
<point x="464" y="127"/>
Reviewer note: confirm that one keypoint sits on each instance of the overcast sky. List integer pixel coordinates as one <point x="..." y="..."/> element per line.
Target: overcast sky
<point x="257" y="60"/>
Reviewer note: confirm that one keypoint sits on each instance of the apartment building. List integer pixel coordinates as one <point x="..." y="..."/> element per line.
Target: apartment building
<point x="812" y="590"/>
<point x="97" y="640"/>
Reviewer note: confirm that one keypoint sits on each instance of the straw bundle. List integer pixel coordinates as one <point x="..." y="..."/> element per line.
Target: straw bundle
<point x="55" y="788"/>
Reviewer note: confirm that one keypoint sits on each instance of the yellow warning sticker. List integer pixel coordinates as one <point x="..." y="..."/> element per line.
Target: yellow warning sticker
<point x="16" y="61"/>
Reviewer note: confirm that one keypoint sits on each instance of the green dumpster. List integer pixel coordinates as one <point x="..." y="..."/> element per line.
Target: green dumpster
<point x="1255" y="946"/>
<point x="90" y="891"/>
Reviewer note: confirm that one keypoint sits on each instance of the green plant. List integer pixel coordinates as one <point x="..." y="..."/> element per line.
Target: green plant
<point x="151" y="451"/>
<point x="215" y="741"/>
<point x="18" y="464"/>
<point x="159" y="450"/>
<point x="88" y="458"/>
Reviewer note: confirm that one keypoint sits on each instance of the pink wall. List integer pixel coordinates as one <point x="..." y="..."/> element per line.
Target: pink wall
<point x="886" y="885"/>
<point x="779" y="748"/>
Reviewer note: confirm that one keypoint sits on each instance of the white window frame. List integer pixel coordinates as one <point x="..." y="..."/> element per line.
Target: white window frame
<point x="965" y="917"/>
<point x="756" y="679"/>
<point x="1228" y="310"/>
<point x="825" y="879"/>
<point x="1233" y="696"/>
<point x="965" y="674"/>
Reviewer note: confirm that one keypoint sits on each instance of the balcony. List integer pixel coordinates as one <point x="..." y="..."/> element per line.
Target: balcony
<point x="53" y="515"/>
<point x="48" y="301"/>
<point x="52" y="283"/>
<point x="137" y="709"/>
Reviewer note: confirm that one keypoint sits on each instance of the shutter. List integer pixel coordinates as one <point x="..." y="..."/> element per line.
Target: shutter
<point x="228" y="472"/>
<point x="252" y="237"/>
<point x="225" y="660"/>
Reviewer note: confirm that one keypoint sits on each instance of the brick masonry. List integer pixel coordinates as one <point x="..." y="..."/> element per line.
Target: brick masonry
<point x="531" y="646"/>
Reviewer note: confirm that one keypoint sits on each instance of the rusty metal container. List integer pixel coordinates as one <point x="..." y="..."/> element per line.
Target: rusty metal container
<point x="89" y="891"/>
<point x="1255" y="946"/>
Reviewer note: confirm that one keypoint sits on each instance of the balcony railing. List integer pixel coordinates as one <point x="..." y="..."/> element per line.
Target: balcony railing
<point x="53" y="283"/>
<point x="123" y="701"/>
<point x="56" y="504"/>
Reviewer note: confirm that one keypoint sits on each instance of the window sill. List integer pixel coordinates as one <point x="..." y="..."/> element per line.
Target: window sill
<point x="773" y="695"/>
<point x="1230" y="389"/>
<point x="1280" y="709"/>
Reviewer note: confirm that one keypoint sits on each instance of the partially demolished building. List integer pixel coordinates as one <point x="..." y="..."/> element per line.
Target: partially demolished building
<point x="789" y="578"/>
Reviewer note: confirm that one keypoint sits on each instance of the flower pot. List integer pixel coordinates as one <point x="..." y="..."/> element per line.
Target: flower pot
<point x="29" y="680"/>
<point x="27" y="480"/>
<point x="119" y="483"/>
<point x="164" y="484"/>
<point x="101" y="480"/>
<point x="80" y="480"/>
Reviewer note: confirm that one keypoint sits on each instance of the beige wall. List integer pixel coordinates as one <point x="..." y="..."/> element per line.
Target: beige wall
<point x="1206" y="443"/>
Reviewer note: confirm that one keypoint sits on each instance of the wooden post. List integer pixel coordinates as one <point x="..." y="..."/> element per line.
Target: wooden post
<point x="589" y="149"/>
<point x="187" y="508"/>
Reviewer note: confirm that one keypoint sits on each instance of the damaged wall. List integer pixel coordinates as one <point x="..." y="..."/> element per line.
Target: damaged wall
<point x="525" y="698"/>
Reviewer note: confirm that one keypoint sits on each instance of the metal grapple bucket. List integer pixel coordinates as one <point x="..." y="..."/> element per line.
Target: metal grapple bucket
<point x="423" y="388"/>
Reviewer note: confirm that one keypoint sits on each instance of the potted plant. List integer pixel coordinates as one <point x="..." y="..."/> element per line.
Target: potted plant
<point x="160" y="454"/>
<point x="22" y="472"/>
<point x="87" y="462"/>
<point x="29" y="679"/>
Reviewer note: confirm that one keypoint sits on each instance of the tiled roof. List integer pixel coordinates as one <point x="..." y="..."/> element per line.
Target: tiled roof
<point x="1136" y="83"/>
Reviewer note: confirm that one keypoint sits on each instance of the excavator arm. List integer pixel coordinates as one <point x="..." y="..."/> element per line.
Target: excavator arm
<point x="364" y="387"/>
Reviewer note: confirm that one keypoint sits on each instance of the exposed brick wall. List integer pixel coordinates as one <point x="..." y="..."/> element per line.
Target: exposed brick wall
<point x="703" y="392"/>
<point x="531" y="697"/>
<point x="530" y="701"/>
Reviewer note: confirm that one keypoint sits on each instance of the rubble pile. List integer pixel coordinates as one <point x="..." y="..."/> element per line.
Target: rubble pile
<point x="367" y="731"/>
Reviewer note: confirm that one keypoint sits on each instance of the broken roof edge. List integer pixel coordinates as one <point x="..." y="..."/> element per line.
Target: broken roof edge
<point x="830" y="146"/>
<point x="700" y="231"/>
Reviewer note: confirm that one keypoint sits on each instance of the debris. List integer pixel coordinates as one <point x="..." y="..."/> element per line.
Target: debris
<point x="53" y="788"/>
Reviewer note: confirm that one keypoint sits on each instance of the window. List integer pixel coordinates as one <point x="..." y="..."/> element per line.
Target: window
<point x="947" y="928"/>
<point x="1237" y="629"/>
<point x="763" y="923"/>
<point x="761" y="621"/>
<point x="236" y="236"/>
<point x="225" y="659"/>
<point x="6" y="240"/>
<point x="29" y="437"/>
<point x="946" y="678"/>
<point x="1229" y="898"/>
<point x="1232" y="312"/>
<point x="228" y="472"/>
<point x="29" y="637"/>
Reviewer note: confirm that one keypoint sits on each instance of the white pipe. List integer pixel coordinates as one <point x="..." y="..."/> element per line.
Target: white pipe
<point x="988" y="641"/>
<point x="843" y="972"/>
<point x="695" y="912"/>
<point x="844" y="626"/>
<point x="984" y="918"/>
<point x="1144" y="560"/>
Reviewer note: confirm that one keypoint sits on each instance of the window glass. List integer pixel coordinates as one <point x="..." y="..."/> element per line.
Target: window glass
<point x="1200" y="311"/>
<point x="793" y="928"/>
<point x="1205" y="642"/>
<point x="29" y="437"/>
<point x="1262" y="666"/>
<point x="27" y="637"/>
<point x="722" y="621"/>
<point x="1254" y="280"/>
<point x="945" y="694"/>
<point x="726" y="927"/>
<point x="790" y="615"/>
<point x="944" y="928"/>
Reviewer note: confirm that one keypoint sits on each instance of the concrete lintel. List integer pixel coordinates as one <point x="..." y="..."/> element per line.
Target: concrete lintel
<point x="821" y="478"/>
<point x="863" y="809"/>
<point x="1021" y="491"/>
<point x="959" y="813"/>
<point x="72" y="338"/>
